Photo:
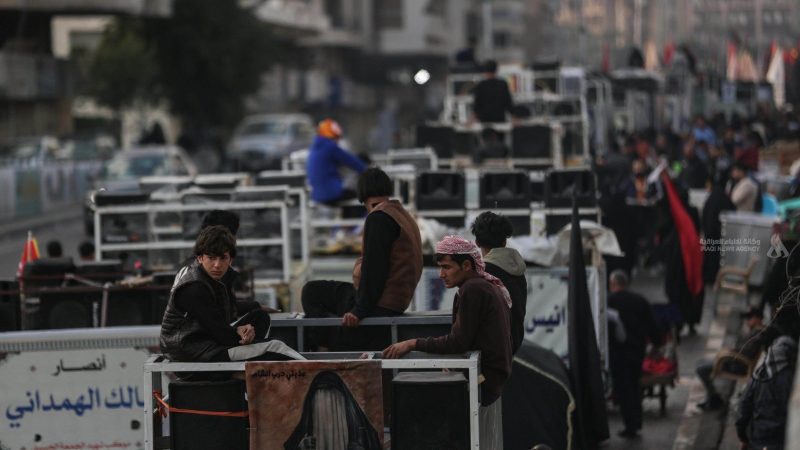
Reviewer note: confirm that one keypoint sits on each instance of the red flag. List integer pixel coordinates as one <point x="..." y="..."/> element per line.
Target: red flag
<point x="691" y="253"/>
<point x="669" y="52"/>
<point x="29" y="253"/>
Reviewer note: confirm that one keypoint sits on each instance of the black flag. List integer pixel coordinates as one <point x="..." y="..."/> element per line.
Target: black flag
<point x="585" y="369"/>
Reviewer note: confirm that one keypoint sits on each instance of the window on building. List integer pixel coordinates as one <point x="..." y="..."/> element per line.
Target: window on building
<point x="437" y="8"/>
<point x="389" y="14"/>
<point x="501" y="39"/>
<point x="333" y="9"/>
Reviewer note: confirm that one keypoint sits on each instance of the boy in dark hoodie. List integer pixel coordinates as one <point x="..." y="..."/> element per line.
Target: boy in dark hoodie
<point x="491" y="231"/>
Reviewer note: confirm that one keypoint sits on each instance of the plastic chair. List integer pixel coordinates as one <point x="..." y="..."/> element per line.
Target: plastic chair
<point x="734" y="279"/>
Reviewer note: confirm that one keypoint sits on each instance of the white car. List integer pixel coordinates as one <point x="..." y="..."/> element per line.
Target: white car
<point x="261" y="141"/>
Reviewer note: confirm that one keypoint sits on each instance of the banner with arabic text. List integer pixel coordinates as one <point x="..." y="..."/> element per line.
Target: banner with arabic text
<point x="72" y="399"/>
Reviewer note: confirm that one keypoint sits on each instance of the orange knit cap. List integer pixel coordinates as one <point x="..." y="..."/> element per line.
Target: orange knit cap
<point x="328" y="128"/>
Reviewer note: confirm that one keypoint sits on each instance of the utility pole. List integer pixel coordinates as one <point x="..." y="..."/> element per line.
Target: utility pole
<point x="637" y="23"/>
<point x="488" y="38"/>
<point x="759" y="34"/>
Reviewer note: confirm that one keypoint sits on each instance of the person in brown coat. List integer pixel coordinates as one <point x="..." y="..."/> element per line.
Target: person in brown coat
<point x="384" y="277"/>
<point x="481" y="312"/>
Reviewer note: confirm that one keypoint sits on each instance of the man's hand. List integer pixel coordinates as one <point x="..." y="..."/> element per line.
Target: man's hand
<point x="247" y="333"/>
<point x="350" y="320"/>
<point x="400" y="349"/>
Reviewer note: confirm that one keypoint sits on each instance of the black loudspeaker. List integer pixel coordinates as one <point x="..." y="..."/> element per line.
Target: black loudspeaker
<point x="430" y="411"/>
<point x="121" y="228"/>
<point x="465" y="143"/>
<point x="100" y="271"/>
<point x="505" y="190"/>
<point x="531" y="141"/>
<point x="109" y="198"/>
<point x="9" y="306"/>
<point x="441" y="190"/>
<point x="198" y="432"/>
<point x="560" y="185"/>
<point x="521" y="224"/>
<point x="441" y="139"/>
<point x="296" y="178"/>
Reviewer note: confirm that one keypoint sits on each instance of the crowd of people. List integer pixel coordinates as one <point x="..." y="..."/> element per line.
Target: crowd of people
<point x="647" y="179"/>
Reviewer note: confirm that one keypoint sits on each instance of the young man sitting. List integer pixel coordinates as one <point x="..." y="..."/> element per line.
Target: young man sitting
<point x="198" y="321"/>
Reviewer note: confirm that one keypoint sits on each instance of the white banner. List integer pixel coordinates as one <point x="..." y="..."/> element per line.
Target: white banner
<point x="72" y="399"/>
<point x="546" y="315"/>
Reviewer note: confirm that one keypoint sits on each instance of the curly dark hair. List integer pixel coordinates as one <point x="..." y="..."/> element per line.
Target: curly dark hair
<point x="491" y="230"/>
<point x="215" y="241"/>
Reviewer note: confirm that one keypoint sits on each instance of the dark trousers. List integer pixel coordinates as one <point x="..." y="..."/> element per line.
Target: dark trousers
<point x="626" y="373"/>
<point x="322" y="298"/>
<point x="703" y="370"/>
<point x="259" y="320"/>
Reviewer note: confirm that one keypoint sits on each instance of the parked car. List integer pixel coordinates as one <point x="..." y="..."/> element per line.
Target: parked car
<point x="262" y="141"/>
<point x="123" y="172"/>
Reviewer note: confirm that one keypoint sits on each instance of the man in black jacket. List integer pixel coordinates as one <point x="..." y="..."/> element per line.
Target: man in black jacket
<point x="491" y="231"/>
<point x="197" y="324"/>
<point x="764" y="405"/>
<point x="491" y="97"/>
<point x="626" y="358"/>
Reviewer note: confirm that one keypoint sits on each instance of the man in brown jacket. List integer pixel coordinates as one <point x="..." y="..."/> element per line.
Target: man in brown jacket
<point x="384" y="277"/>
<point x="480" y="316"/>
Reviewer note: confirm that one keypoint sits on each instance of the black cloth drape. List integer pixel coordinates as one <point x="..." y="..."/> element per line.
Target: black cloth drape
<point x="585" y="368"/>
<point x="536" y="400"/>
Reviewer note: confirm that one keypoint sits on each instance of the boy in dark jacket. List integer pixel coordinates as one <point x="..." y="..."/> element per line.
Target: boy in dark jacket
<point x="763" y="408"/>
<point x="491" y="231"/>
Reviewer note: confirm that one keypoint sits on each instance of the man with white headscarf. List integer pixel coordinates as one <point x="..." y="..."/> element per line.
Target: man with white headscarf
<point x="480" y="316"/>
<point x="481" y="312"/>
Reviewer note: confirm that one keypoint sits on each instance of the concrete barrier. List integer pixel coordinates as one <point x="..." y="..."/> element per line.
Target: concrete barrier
<point x="27" y="189"/>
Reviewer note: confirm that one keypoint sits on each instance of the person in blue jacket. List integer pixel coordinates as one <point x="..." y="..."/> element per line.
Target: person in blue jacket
<point x="324" y="159"/>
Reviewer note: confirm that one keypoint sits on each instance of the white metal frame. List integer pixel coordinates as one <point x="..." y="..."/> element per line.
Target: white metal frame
<point x="100" y="247"/>
<point x="156" y="366"/>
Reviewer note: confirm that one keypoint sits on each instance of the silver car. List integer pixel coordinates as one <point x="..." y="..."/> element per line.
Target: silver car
<point x="262" y="141"/>
<point x="123" y="172"/>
